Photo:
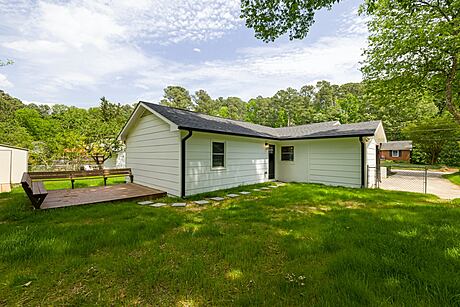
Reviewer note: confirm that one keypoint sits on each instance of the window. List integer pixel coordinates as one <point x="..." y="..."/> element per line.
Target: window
<point x="218" y="154"/>
<point x="287" y="153"/>
<point x="395" y="153"/>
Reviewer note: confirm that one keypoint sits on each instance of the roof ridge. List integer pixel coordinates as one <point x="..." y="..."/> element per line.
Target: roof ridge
<point x="239" y="120"/>
<point x="187" y="119"/>
<point x="201" y="113"/>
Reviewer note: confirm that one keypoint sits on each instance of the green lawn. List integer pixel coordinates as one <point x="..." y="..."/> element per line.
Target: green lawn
<point x="454" y="178"/>
<point x="297" y="245"/>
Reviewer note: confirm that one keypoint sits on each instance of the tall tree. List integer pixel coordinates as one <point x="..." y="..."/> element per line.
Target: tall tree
<point x="431" y="136"/>
<point x="204" y="103"/>
<point x="232" y="107"/>
<point x="177" y="97"/>
<point x="415" y="44"/>
<point x="273" y="18"/>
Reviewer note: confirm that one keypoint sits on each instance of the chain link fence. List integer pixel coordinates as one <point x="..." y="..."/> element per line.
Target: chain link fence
<point x="399" y="178"/>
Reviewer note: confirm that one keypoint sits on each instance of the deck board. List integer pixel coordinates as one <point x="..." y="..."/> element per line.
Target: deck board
<point x="92" y="195"/>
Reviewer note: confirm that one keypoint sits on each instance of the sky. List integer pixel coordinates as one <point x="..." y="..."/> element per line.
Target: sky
<point x="74" y="52"/>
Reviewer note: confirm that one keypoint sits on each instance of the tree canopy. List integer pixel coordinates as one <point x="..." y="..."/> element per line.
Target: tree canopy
<point x="60" y="132"/>
<point x="272" y="18"/>
<point x="415" y="46"/>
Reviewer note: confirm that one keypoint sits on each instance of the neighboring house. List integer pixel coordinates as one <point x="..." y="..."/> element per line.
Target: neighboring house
<point x="184" y="153"/>
<point x="396" y="150"/>
<point x="13" y="163"/>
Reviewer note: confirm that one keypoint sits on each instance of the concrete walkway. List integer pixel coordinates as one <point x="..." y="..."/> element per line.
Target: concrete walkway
<point x="413" y="181"/>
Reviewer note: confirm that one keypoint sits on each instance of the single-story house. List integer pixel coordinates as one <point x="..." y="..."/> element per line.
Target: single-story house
<point x="396" y="151"/>
<point x="13" y="163"/>
<point x="185" y="153"/>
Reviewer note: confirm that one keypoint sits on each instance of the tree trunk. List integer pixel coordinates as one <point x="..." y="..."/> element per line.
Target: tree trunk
<point x="453" y="109"/>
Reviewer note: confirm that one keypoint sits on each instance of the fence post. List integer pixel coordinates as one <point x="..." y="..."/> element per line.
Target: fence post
<point x="425" y="186"/>
<point x="367" y="177"/>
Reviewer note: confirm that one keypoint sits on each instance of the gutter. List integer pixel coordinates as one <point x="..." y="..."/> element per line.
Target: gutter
<point x="363" y="173"/>
<point x="268" y="137"/>
<point x="182" y="169"/>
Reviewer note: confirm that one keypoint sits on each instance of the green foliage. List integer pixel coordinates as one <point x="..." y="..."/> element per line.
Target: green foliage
<point x="454" y="178"/>
<point x="450" y="154"/>
<point x="231" y="107"/>
<point x="431" y="136"/>
<point x="415" y="46"/>
<point x="7" y="62"/>
<point x="8" y="105"/>
<point x="61" y="132"/>
<point x="301" y="244"/>
<point x="204" y="103"/>
<point x="273" y="18"/>
<point x="177" y="97"/>
<point x="12" y="133"/>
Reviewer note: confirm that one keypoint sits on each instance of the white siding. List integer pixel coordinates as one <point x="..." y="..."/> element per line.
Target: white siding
<point x="335" y="161"/>
<point x="13" y="163"/>
<point x="5" y="166"/>
<point x="246" y="162"/>
<point x="371" y="161"/>
<point x="153" y="154"/>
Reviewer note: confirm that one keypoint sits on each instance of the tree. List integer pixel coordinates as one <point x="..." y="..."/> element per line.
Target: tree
<point x="177" y="97"/>
<point x="259" y="110"/>
<point x="231" y="107"/>
<point x="105" y="122"/>
<point x="8" y="105"/>
<point x="273" y="18"/>
<point x="431" y="136"/>
<point x="100" y="147"/>
<point x="7" y="62"/>
<point x="204" y="103"/>
<point x="13" y="134"/>
<point x="395" y="106"/>
<point x="415" y="45"/>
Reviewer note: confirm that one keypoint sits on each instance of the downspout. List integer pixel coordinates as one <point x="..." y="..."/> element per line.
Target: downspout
<point x="363" y="182"/>
<point x="183" y="152"/>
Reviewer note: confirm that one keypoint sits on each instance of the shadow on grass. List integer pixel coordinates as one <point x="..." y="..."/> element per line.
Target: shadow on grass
<point x="298" y="244"/>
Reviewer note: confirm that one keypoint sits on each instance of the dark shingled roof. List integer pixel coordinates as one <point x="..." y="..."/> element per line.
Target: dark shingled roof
<point x="201" y="122"/>
<point x="397" y="145"/>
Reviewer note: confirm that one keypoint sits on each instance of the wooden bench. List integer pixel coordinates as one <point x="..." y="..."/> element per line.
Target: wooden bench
<point x="35" y="190"/>
<point x="32" y="182"/>
<point x="74" y="175"/>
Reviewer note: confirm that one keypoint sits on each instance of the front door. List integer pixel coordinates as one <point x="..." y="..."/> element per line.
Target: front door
<point x="271" y="161"/>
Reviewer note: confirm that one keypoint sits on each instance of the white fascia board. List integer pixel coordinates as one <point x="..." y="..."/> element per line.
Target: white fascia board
<point x="135" y="116"/>
<point x="380" y="136"/>
<point x="172" y="125"/>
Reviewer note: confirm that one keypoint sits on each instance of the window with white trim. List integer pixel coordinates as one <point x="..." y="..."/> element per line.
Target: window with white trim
<point x="287" y="153"/>
<point x="218" y="154"/>
<point x="395" y="153"/>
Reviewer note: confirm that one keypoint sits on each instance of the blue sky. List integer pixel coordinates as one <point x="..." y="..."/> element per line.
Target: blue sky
<point x="74" y="52"/>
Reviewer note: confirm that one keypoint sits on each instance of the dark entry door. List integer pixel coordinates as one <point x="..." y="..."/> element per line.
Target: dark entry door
<point x="271" y="161"/>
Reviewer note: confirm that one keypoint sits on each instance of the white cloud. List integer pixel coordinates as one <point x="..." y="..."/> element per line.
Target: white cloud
<point x="77" y="25"/>
<point x="35" y="46"/>
<point x="4" y="82"/>
<point x="263" y="70"/>
<point x="168" y="21"/>
<point x="84" y="45"/>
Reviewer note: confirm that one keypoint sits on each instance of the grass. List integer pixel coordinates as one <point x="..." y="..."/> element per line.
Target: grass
<point x="411" y="166"/>
<point x="300" y="244"/>
<point x="454" y="178"/>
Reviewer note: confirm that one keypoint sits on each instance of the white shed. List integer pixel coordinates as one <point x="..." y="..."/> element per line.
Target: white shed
<point x="13" y="163"/>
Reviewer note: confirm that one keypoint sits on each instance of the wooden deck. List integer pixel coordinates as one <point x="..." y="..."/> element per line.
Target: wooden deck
<point x="92" y="195"/>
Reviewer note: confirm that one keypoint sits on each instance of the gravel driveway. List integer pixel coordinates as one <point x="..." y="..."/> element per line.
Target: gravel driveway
<point x="413" y="181"/>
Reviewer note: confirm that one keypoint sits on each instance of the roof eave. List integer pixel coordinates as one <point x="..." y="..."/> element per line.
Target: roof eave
<point x="277" y="138"/>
